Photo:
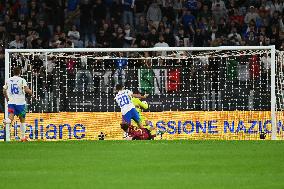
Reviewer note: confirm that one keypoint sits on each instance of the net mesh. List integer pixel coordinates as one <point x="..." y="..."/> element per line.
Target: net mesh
<point x="235" y="83"/>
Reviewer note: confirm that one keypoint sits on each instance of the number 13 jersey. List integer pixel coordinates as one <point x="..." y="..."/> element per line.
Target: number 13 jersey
<point x="15" y="89"/>
<point x="123" y="99"/>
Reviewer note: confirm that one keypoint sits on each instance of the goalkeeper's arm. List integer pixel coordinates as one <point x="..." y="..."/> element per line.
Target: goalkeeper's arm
<point x="143" y="105"/>
<point x="139" y="96"/>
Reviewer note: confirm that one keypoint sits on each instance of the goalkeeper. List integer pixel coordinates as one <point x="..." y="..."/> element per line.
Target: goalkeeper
<point x="142" y="105"/>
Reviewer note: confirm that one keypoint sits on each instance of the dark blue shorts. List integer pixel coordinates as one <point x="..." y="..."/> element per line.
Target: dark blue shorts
<point x="132" y="114"/>
<point x="18" y="110"/>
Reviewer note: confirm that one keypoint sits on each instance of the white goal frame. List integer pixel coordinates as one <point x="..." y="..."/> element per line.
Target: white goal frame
<point x="220" y="48"/>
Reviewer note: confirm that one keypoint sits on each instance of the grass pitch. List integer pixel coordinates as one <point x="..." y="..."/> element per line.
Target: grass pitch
<point x="142" y="164"/>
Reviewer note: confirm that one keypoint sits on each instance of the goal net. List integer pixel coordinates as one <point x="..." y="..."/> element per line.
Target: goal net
<point x="194" y="93"/>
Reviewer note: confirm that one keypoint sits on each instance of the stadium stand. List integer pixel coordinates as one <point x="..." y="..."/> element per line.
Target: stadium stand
<point x="140" y="23"/>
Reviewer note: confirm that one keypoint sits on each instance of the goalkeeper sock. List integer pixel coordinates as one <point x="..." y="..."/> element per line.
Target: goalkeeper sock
<point x="153" y="132"/>
<point x="23" y="130"/>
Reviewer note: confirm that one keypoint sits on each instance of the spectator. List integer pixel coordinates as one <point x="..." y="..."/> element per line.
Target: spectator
<point x="204" y="13"/>
<point x="90" y="45"/>
<point x="251" y="15"/>
<point x="181" y="39"/>
<point x="142" y="27"/>
<point x="118" y="38"/>
<point x="49" y="66"/>
<point x="265" y="62"/>
<point x="128" y="8"/>
<point x="143" y="44"/>
<point x="120" y="65"/>
<point x="191" y="5"/>
<point x="234" y="37"/>
<point x="37" y="65"/>
<point x="72" y="5"/>
<point x="102" y="40"/>
<point x="43" y="32"/>
<point x="169" y="37"/>
<point x="55" y="42"/>
<point x="68" y="44"/>
<point x="203" y="24"/>
<point x="23" y="30"/>
<point x="267" y="41"/>
<point x="250" y="28"/>
<point x="107" y="29"/>
<point x="261" y="40"/>
<point x="218" y="10"/>
<point x="237" y="17"/>
<point x="74" y="36"/>
<point x="213" y="35"/>
<point x="161" y="43"/>
<point x="38" y="43"/>
<point x="17" y="43"/>
<point x="58" y="31"/>
<point x="161" y="28"/>
<point x="274" y="36"/>
<point x="86" y="23"/>
<point x="23" y="9"/>
<point x="274" y="6"/>
<point x="99" y="13"/>
<point x="275" y="18"/>
<point x="281" y="24"/>
<point x="223" y="27"/>
<point x="139" y="10"/>
<point x="58" y="11"/>
<point x="4" y="39"/>
<point x="14" y="29"/>
<point x="154" y="14"/>
<point x="199" y="38"/>
<point x="129" y="37"/>
<point x="262" y="31"/>
<point x="177" y="6"/>
<point x="30" y="26"/>
<point x="281" y="48"/>
<point x="188" y="21"/>
<point x="34" y="21"/>
<point x="231" y="6"/>
<point x="153" y="37"/>
<point x="168" y="10"/>
<point x="251" y="40"/>
<point x="82" y="71"/>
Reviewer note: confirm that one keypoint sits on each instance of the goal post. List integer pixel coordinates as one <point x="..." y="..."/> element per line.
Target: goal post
<point x="7" y="75"/>
<point x="176" y="53"/>
<point x="273" y="94"/>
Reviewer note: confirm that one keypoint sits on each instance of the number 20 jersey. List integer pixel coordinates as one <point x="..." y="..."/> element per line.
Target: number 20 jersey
<point x="123" y="98"/>
<point x="15" y="90"/>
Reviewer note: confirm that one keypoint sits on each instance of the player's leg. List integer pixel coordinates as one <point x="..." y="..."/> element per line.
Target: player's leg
<point x="23" y="129"/>
<point x="126" y="122"/>
<point x="22" y="116"/>
<point x="136" y="117"/>
<point x="126" y="119"/>
<point x="11" y="114"/>
<point x="8" y="120"/>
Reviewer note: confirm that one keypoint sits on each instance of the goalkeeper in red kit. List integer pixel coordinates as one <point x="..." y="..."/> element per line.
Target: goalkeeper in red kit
<point x="133" y="131"/>
<point x="136" y="133"/>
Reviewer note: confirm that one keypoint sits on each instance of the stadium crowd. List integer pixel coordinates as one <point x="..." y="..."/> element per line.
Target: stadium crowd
<point x="138" y="23"/>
